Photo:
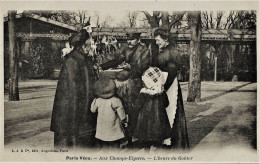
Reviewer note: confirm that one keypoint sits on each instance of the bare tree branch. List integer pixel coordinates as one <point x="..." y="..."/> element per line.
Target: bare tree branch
<point x="177" y="19"/>
<point x="211" y="20"/>
<point x="153" y="20"/>
<point x="206" y="18"/>
<point x="228" y="19"/>
<point x="131" y="16"/>
<point x="219" y="17"/>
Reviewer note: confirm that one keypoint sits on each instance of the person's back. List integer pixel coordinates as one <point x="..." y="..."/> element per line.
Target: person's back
<point x="110" y="113"/>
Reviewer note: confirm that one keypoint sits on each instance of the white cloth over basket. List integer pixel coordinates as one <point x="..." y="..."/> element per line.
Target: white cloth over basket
<point x="172" y="94"/>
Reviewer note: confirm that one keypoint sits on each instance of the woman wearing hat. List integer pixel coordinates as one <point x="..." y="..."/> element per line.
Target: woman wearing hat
<point x="167" y="60"/>
<point x="72" y="122"/>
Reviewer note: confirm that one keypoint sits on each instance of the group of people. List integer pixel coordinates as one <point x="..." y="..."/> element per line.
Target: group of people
<point x="89" y="112"/>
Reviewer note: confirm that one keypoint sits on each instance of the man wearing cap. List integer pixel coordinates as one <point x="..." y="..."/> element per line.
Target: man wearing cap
<point x="72" y="121"/>
<point x="137" y="57"/>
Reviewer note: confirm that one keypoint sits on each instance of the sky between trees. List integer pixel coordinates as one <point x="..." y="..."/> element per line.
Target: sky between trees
<point x="124" y="18"/>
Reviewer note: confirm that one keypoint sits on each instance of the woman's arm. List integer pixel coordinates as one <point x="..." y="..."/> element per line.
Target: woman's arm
<point x="172" y="67"/>
<point x="172" y="73"/>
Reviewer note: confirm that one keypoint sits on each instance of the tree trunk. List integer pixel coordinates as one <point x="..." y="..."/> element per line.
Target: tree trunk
<point x="165" y="20"/>
<point x="153" y="20"/>
<point x="194" y="88"/>
<point x="217" y="47"/>
<point x="236" y="63"/>
<point x="13" y="59"/>
<point x="215" y="68"/>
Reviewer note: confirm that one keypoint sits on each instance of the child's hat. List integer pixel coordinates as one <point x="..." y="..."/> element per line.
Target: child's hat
<point x="153" y="76"/>
<point x="105" y="88"/>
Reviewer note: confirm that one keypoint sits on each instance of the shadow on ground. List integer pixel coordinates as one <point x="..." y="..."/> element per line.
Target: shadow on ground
<point x="25" y="135"/>
<point x="197" y="129"/>
<point x="223" y="93"/>
<point x="242" y="124"/>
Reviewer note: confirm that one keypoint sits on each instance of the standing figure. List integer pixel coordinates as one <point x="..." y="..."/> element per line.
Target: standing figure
<point x="168" y="60"/>
<point x="111" y="114"/>
<point x="72" y="121"/>
<point x="152" y="126"/>
<point x="137" y="59"/>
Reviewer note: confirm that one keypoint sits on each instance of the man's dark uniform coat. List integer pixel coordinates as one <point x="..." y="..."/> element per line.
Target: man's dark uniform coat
<point x="72" y="121"/>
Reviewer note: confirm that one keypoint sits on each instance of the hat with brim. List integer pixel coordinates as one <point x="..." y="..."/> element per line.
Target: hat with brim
<point x="131" y="36"/>
<point x="105" y="88"/>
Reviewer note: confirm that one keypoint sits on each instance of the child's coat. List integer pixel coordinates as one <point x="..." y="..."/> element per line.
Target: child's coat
<point x="110" y="113"/>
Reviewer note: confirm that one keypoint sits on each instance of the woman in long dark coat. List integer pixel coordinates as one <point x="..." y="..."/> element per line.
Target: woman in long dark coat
<point x="72" y="121"/>
<point x="169" y="61"/>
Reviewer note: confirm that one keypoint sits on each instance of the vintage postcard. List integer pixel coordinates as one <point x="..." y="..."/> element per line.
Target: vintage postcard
<point x="133" y="82"/>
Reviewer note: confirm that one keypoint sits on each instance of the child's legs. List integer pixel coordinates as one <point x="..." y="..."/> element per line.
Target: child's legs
<point x="114" y="145"/>
<point x="101" y="144"/>
<point x="110" y="145"/>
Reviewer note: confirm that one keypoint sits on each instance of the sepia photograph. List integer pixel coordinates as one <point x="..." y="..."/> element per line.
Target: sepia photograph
<point x="140" y="81"/>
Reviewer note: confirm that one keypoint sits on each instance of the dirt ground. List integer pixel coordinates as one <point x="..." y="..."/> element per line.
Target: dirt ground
<point x="225" y="119"/>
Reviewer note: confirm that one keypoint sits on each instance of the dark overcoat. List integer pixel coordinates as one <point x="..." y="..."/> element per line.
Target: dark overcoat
<point x="168" y="60"/>
<point x="72" y="120"/>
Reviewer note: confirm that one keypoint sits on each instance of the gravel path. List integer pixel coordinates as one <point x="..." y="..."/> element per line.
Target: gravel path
<point x="225" y="119"/>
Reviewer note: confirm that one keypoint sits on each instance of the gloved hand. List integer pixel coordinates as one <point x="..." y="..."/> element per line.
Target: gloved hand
<point x="124" y="123"/>
<point x="100" y="69"/>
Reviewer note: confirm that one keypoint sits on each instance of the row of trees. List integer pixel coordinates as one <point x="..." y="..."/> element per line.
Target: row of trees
<point x="178" y="19"/>
<point x="195" y="21"/>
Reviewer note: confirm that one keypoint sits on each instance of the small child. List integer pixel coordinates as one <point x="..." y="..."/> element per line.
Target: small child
<point x="152" y="125"/>
<point x="111" y="115"/>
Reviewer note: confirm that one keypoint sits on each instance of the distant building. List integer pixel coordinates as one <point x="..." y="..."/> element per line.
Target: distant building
<point x="40" y="41"/>
<point x="39" y="44"/>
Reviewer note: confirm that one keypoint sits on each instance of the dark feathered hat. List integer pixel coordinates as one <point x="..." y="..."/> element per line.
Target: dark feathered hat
<point x="79" y="38"/>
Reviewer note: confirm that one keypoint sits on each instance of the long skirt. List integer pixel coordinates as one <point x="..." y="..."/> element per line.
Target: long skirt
<point x="175" y="111"/>
<point x="152" y="121"/>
